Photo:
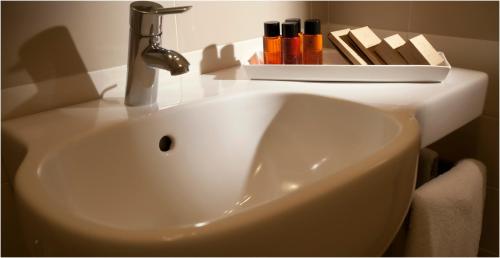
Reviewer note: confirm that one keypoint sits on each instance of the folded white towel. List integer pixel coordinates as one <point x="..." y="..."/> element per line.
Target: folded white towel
<point x="447" y="212"/>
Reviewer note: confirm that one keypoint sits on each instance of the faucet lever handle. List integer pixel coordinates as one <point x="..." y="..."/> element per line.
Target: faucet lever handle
<point x="172" y="10"/>
<point x="145" y="16"/>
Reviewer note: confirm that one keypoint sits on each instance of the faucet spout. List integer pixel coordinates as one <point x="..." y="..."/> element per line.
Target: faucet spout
<point x="157" y="57"/>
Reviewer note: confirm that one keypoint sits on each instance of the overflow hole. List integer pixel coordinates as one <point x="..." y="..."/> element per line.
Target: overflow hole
<point x="166" y="143"/>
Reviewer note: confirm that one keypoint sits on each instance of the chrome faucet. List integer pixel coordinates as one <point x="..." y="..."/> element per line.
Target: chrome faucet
<point x="146" y="55"/>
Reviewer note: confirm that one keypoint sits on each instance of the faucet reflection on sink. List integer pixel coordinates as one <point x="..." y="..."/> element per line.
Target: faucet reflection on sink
<point x="146" y="54"/>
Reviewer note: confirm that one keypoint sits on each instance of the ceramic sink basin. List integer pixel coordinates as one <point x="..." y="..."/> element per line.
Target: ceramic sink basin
<point x="251" y="174"/>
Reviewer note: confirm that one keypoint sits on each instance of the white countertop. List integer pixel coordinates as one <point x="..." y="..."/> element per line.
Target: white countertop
<point x="440" y="108"/>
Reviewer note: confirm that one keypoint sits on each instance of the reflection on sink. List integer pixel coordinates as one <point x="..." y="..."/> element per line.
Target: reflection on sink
<point x="253" y="174"/>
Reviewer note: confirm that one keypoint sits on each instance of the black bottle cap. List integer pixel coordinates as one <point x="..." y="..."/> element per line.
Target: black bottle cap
<point x="296" y="20"/>
<point x="289" y="29"/>
<point x="312" y="27"/>
<point x="271" y="29"/>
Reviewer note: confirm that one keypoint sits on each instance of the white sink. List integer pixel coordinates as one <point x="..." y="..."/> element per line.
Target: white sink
<point x="256" y="174"/>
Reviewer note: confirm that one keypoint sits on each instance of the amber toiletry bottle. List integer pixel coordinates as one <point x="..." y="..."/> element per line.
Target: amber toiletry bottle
<point x="301" y="35"/>
<point x="313" y="42"/>
<point x="272" y="43"/>
<point x="290" y="43"/>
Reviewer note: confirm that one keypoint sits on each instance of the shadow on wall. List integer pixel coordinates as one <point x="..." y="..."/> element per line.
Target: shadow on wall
<point x="49" y="55"/>
<point x="212" y="61"/>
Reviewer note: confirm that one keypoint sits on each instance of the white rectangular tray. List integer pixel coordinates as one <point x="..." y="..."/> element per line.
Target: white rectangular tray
<point x="337" y="68"/>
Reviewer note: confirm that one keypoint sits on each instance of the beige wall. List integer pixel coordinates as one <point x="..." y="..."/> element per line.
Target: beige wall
<point x="45" y="40"/>
<point x="467" y="32"/>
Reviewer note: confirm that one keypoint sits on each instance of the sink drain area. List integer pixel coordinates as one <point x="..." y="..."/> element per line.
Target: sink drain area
<point x="166" y="143"/>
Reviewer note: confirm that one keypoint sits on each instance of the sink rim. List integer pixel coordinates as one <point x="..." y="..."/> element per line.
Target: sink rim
<point x="65" y="220"/>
